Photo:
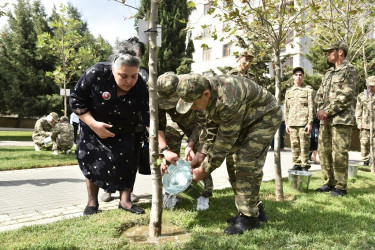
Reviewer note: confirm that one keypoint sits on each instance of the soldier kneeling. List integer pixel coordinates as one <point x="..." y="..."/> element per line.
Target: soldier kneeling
<point x="63" y="136"/>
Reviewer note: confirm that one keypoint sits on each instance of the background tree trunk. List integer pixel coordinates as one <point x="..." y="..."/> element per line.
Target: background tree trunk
<point x="157" y="198"/>
<point x="279" y="193"/>
<point x="371" y="112"/>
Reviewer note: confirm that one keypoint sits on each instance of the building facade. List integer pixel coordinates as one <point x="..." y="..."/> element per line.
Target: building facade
<point x="210" y="53"/>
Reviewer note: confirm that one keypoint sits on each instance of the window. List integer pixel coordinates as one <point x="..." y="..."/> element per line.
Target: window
<point x="226" y="50"/>
<point x="207" y="31"/>
<point x="207" y="7"/>
<point x="206" y="54"/>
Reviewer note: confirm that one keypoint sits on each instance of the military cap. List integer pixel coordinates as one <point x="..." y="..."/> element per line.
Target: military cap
<point x="54" y="116"/>
<point x="371" y="81"/>
<point x="189" y="89"/>
<point x="64" y="118"/>
<point x="337" y="45"/>
<point x="166" y="86"/>
<point x="298" y="69"/>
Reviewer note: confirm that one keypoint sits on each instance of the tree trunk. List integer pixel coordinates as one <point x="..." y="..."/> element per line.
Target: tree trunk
<point x="157" y="198"/>
<point x="371" y="112"/>
<point x="279" y="193"/>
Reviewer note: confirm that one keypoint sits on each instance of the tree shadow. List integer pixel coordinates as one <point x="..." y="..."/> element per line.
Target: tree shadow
<point x="39" y="182"/>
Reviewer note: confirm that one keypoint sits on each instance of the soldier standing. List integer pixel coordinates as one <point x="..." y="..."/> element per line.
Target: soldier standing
<point x="63" y="136"/>
<point x="362" y="115"/>
<point x="243" y="117"/>
<point x="173" y="126"/>
<point x="335" y="101"/>
<point x="244" y="61"/>
<point x="43" y="129"/>
<point x="299" y="116"/>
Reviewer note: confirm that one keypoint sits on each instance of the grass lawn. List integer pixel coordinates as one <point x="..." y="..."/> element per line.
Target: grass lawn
<point x="14" y="157"/>
<point x="303" y="221"/>
<point x="16" y="135"/>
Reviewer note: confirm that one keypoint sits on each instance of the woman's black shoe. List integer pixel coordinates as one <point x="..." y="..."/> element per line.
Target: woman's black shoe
<point x="90" y="210"/>
<point x="134" y="209"/>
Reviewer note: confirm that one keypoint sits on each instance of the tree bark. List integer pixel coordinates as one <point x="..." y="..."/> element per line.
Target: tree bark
<point x="279" y="193"/>
<point x="371" y="112"/>
<point x="157" y="198"/>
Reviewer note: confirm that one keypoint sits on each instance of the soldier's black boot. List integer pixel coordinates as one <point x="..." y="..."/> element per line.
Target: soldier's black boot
<point x="296" y="167"/>
<point x="242" y="224"/>
<point x="262" y="217"/>
<point x="325" y="188"/>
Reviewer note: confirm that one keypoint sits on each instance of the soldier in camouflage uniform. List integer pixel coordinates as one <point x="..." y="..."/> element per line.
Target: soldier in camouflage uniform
<point x="62" y="136"/>
<point x="335" y="101"/>
<point x="244" y="60"/>
<point x="175" y="125"/>
<point x="362" y="115"/>
<point x="43" y="129"/>
<point x="299" y="116"/>
<point x="243" y="117"/>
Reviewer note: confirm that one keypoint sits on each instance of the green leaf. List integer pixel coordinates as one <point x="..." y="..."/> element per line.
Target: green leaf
<point x="190" y="4"/>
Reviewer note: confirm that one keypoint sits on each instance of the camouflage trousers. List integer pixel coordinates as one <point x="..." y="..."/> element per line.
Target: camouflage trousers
<point x="248" y="156"/>
<point x="174" y="136"/>
<point x="300" y="145"/>
<point x="39" y="140"/>
<point x="63" y="146"/>
<point x="364" y="136"/>
<point x="334" y="144"/>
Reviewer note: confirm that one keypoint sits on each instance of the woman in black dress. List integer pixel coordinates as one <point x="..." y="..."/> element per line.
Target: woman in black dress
<point x="107" y="99"/>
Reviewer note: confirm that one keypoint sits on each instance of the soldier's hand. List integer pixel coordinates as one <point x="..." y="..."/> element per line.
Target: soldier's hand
<point x="171" y="156"/>
<point x="100" y="128"/>
<point x="360" y="126"/>
<point x="163" y="168"/>
<point x="198" y="174"/>
<point x="308" y="129"/>
<point x="322" y="115"/>
<point x="197" y="160"/>
<point x="287" y="129"/>
<point x="189" y="154"/>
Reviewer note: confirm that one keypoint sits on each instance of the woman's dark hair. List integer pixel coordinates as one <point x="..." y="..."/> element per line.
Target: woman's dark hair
<point x="141" y="46"/>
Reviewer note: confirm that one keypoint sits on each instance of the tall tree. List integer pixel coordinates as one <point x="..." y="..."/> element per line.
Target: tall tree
<point x="173" y="16"/>
<point x="72" y="45"/>
<point x="273" y="22"/>
<point x="336" y="20"/>
<point x="25" y="89"/>
<point x="157" y="197"/>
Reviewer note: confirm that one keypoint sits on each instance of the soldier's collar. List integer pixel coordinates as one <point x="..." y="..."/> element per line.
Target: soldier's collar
<point x="342" y="65"/>
<point x="214" y="93"/>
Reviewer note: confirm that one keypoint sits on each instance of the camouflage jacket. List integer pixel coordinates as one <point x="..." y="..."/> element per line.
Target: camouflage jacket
<point x="336" y="95"/>
<point x="192" y="123"/>
<point x="63" y="134"/>
<point x="235" y="104"/>
<point x="236" y="72"/>
<point x="42" y="128"/>
<point x="299" y="106"/>
<point x="362" y="110"/>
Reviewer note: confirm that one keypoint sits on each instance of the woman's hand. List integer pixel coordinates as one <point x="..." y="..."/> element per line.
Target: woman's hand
<point x="171" y="156"/>
<point x="100" y="128"/>
<point x="189" y="153"/>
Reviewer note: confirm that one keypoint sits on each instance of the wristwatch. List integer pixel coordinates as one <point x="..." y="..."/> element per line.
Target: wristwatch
<point x="163" y="149"/>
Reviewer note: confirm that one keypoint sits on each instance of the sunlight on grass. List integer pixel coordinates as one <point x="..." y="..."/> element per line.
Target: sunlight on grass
<point x="16" y="135"/>
<point x="305" y="220"/>
<point x="13" y="157"/>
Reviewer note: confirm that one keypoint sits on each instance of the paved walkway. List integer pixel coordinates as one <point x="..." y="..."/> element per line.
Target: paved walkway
<point x="45" y="195"/>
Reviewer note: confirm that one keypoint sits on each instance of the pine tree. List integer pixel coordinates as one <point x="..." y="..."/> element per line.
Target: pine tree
<point x="173" y="16"/>
<point x="27" y="90"/>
